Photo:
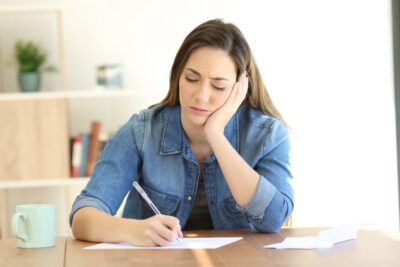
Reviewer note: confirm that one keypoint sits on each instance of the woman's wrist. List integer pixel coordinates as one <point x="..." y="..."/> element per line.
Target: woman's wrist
<point x="130" y="230"/>
<point x="215" y="137"/>
<point x="212" y="131"/>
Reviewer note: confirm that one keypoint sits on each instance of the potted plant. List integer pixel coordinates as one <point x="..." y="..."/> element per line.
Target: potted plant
<point x="30" y="58"/>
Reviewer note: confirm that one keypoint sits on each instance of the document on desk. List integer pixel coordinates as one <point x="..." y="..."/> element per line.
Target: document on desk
<point x="185" y="243"/>
<point x="325" y="239"/>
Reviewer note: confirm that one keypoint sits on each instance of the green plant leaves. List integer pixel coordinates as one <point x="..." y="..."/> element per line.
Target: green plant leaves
<point x="29" y="56"/>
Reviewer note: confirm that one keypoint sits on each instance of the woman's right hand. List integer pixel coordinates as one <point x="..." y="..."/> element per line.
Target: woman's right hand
<point x="158" y="230"/>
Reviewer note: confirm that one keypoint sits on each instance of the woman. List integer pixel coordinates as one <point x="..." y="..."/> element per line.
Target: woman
<point x="214" y="154"/>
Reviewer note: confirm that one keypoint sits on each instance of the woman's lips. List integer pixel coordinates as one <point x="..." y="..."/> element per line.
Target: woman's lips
<point x="198" y="110"/>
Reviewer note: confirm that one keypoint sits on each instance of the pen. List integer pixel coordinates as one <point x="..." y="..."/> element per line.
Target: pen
<point x="148" y="200"/>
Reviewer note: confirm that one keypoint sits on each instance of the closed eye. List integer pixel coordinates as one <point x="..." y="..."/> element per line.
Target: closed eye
<point x="219" y="88"/>
<point x="190" y="80"/>
<point x="195" y="80"/>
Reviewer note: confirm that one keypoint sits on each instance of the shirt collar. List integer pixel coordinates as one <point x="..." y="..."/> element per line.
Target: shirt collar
<point x="171" y="142"/>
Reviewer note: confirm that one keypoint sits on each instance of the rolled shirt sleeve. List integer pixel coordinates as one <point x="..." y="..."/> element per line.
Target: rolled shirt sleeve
<point x="272" y="202"/>
<point x="114" y="172"/>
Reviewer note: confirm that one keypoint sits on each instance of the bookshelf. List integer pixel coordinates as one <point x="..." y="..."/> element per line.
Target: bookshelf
<point x="10" y="184"/>
<point x="68" y="94"/>
<point x="60" y="192"/>
<point x="36" y="127"/>
<point x="35" y="162"/>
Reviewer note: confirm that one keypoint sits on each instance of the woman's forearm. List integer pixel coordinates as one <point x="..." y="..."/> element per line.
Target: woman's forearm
<point x="241" y="178"/>
<point x="93" y="225"/>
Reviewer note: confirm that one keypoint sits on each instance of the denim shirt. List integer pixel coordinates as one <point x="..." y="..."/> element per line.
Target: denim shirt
<point x="152" y="148"/>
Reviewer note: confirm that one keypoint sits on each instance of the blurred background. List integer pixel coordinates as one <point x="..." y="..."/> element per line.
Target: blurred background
<point x="328" y="66"/>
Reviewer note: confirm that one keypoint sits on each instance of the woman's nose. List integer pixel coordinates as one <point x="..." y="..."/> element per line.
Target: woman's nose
<point x="203" y="93"/>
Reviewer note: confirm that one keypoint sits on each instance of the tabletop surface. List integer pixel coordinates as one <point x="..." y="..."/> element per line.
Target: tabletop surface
<point x="371" y="248"/>
<point x="10" y="255"/>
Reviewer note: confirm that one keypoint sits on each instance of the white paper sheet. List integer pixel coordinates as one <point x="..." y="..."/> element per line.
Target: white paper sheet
<point x="185" y="243"/>
<point x="325" y="239"/>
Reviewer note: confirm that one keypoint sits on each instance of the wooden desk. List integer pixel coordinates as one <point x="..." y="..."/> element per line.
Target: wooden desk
<point x="11" y="256"/>
<point x="372" y="248"/>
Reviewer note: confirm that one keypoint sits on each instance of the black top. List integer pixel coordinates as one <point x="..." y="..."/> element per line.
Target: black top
<point x="199" y="218"/>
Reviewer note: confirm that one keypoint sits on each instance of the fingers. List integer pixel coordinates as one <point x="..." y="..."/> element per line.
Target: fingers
<point x="178" y="230"/>
<point x="240" y="89"/>
<point x="164" y="229"/>
<point x="244" y="84"/>
<point x="175" y="227"/>
<point x="158" y="240"/>
<point x="171" y="223"/>
<point x="180" y="234"/>
<point x="233" y="93"/>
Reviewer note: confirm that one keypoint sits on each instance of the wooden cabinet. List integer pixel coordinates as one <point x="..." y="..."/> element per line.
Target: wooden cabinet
<point x="34" y="139"/>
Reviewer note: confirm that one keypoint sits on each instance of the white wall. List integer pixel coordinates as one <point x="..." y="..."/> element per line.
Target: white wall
<point x="327" y="64"/>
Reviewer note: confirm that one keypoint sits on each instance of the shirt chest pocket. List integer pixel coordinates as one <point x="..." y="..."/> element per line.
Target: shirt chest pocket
<point x="167" y="204"/>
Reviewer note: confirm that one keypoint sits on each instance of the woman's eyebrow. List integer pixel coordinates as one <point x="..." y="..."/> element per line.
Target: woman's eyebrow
<point x="219" y="79"/>
<point x="194" y="71"/>
<point x="213" y="78"/>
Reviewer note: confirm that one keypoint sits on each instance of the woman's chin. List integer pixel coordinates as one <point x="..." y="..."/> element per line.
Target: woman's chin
<point x="198" y="120"/>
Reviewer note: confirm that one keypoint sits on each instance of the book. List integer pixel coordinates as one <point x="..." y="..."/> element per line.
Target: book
<point x="93" y="152"/>
<point x="85" y="153"/>
<point x="76" y="156"/>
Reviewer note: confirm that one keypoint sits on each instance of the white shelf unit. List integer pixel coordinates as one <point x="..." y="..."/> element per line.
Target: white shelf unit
<point x="111" y="93"/>
<point x="79" y="107"/>
<point x="60" y="191"/>
<point x="30" y="8"/>
<point x="58" y="11"/>
<point x="18" y="184"/>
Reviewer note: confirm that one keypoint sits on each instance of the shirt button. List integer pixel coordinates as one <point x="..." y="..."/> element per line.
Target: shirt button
<point x="189" y="198"/>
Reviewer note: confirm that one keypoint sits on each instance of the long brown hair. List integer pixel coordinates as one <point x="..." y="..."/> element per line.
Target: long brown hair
<point x="226" y="36"/>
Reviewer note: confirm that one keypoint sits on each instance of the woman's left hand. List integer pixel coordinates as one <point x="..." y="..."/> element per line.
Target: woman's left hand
<point x="218" y="120"/>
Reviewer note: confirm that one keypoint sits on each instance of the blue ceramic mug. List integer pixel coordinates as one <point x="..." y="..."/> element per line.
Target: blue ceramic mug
<point x="34" y="225"/>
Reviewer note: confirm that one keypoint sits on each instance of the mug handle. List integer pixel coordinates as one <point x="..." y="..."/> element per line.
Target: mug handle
<point x="15" y="226"/>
